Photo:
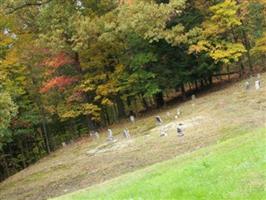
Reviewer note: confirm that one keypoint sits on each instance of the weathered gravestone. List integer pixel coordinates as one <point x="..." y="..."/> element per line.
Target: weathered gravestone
<point x="94" y="134"/>
<point x="163" y="132"/>
<point x="126" y="133"/>
<point x="159" y="120"/>
<point x="132" y="118"/>
<point x="180" y="130"/>
<point x="193" y="97"/>
<point x="110" y="135"/>
<point x="247" y="85"/>
<point x="257" y="84"/>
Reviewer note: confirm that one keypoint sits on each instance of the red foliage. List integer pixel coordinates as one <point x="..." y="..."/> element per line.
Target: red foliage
<point x="58" y="60"/>
<point x="59" y="82"/>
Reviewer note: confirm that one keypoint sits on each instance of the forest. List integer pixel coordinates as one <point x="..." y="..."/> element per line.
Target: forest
<point x="69" y="68"/>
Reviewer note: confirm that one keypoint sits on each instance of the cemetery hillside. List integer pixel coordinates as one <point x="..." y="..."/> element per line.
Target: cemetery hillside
<point x="132" y="99"/>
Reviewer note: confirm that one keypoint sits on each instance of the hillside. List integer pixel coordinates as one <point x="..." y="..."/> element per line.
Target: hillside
<point x="233" y="169"/>
<point x="209" y="119"/>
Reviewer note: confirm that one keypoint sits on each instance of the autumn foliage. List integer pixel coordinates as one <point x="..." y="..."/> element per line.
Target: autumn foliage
<point x="59" y="82"/>
<point x="58" y="60"/>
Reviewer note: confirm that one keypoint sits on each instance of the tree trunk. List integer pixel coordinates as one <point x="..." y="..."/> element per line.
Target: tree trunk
<point x="159" y="100"/>
<point x="145" y="104"/>
<point x="45" y="134"/>
<point x="120" y="107"/>
<point x="183" y="91"/>
<point x="196" y="85"/>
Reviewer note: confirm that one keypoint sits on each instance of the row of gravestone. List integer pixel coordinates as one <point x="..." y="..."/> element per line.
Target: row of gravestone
<point x="159" y="123"/>
<point x="126" y="134"/>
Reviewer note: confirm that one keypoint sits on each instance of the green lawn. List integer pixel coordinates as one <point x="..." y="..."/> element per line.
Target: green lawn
<point x="233" y="169"/>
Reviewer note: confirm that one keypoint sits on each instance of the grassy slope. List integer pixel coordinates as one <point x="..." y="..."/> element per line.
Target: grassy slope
<point x="233" y="169"/>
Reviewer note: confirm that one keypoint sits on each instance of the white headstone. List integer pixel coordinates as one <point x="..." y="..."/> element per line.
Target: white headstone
<point x="132" y="118"/>
<point x="257" y="84"/>
<point x="168" y="114"/>
<point x="126" y="133"/>
<point x="63" y="144"/>
<point x="258" y="76"/>
<point x="247" y="85"/>
<point x="193" y="97"/>
<point x="110" y="135"/>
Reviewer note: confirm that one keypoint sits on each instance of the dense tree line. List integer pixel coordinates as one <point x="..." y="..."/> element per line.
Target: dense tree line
<point x="71" y="67"/>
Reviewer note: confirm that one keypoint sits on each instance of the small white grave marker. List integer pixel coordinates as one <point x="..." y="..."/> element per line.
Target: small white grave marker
<point x="132" y="118"/>
<point x="110" y="135"/>
<point x="126" y="133"/>
<point x="257" y="84"/>
<point x="247" y="85"/>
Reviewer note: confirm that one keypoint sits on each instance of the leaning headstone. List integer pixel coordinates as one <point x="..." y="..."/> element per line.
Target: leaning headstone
<point x="159" y="121"/>
<point x="110" y="135"/>
<point x="132" y="118"/>
<point x="257" y="84"/>
<point x="247" y="85"/>
<point x="180" y="130"/>
<point x="126" y="133"/>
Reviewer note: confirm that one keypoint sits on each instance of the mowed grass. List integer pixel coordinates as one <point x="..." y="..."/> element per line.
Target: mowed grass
<point x="232" y="169"/>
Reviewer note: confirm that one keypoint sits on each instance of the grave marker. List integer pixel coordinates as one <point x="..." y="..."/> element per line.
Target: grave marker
<point x="247" y="85"/>
<point x="94" y="134"/>
<point x="180" y="130"/>
<point x="126" y="133"/>
<point x="163" y="132"/>
<point x="159" y="121"/>
<point x="178" y="112"/>
<point x="132" y="118"/>
<point x="257" y="84"/>
<point x="110" y="135"/>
